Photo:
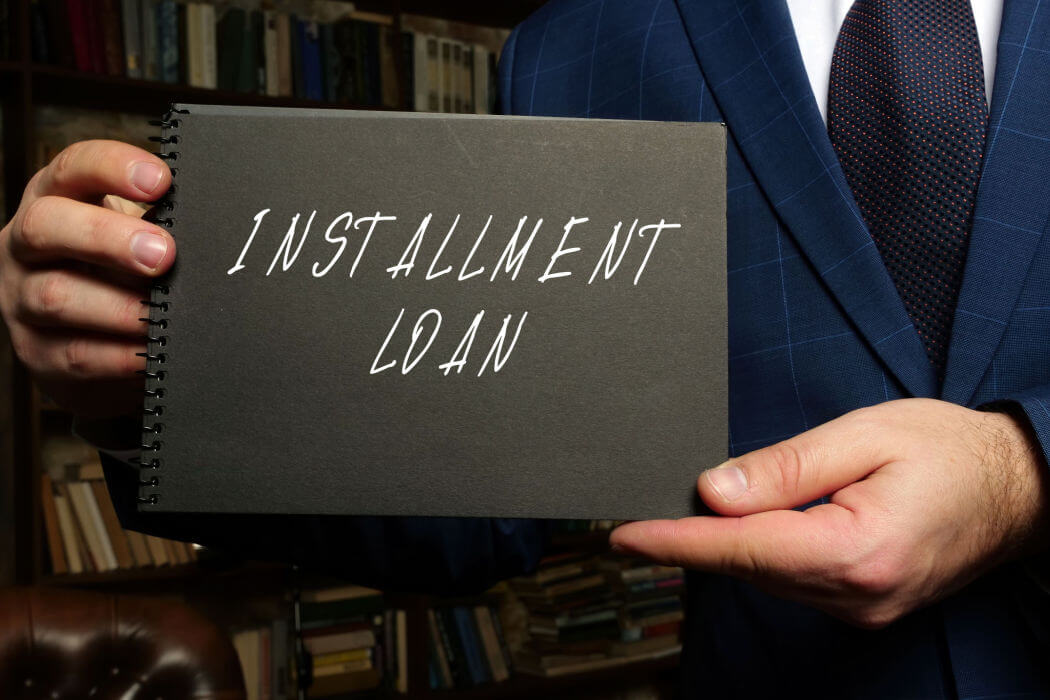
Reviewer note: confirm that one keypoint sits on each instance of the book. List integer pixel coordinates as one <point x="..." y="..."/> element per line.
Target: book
<point x="194" y="49"/>
<point x="326" y="644"/>
<point x="69" y="537"/>
<point x="229" y="32"/>
<point x="139" y="548"/>
<point x="362" y="607"/>
<point x="52" y="527"/>
<point x="270" y="54"/>
<point x="310" y="47"/>
<point x="388" y="67"/>
<point x="130" y="12"/>
<point x="60" y="43"/>
<point x="335" y="669"/>
<point x="519" y="317"/>
<point x="112" y="41"/>
<point x="280" y="679"/>
<point x="339" y="657"/>
<point x="89" y="521"/>
<point x="401" y="623"/>
<point x="447" y="75"/>
<point x="170" y="58"/>
<point x="284" y="55"/>
<point x="420" y="75"/>
<point x="342" y="683"/>
<point x="437" y="649"/>
<point x="207" y="60"/>
<point x="148" y="38"/>
<point x="247" y="645"/>
<point x="93" y="12"/>
<point x="480" y="79"/>
<point x="467" y="632"/>
<point x="296" y="34"/>
<point x="76" y="11"/>
<point x="39" y="41"/>
<point x="453" y="649"/>
<point x="117" y="539"/>
<point x="157" y="551"/>
<point x="490" y="643"/>
<point x="247" y="79"/>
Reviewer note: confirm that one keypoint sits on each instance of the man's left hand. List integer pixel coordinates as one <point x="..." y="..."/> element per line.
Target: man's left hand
<point x="924" y="497"/>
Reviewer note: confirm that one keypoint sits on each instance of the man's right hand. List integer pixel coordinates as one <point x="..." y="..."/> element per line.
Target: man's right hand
<point x="74" y="267"/>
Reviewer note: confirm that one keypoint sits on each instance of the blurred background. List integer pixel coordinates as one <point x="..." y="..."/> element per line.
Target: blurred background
<point x="586" y="624"/>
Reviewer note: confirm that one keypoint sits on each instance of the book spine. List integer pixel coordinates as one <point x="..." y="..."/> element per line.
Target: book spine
<point x="79" y="34"/>
<point x="439" y="653"/>
<point x="502" y="639"/>
<point x="158" y="552"/>
<point x="38" y="27"/>
<point x="167" y="40"/>
<point x="149" y="21"/>
<point x="51" y="525"/>
<point x="270" y="53"/>
<point x="453" y="649"/>
<point x="208" y="60"/>
<point x="464" y="621"/>
<point x="112" y="41"/>
<point x="284" y="55"/>
<point x="149" y="461"/>
<point x="69" y="535"/>
<point x="132" y="19"/>
<point x="99" y="525"/>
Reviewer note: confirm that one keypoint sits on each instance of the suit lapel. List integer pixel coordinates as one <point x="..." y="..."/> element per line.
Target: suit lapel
<point x="1013" y="199"/>
<point x="750" y="59"/>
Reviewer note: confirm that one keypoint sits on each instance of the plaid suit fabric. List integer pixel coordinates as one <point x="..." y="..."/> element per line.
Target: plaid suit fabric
<point x="816" y="327"/>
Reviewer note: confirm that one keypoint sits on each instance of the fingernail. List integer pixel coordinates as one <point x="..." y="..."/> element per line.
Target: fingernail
<point x="148" y="248"/>
<point x="729" y="481"/>
<point x="146" y="176"/>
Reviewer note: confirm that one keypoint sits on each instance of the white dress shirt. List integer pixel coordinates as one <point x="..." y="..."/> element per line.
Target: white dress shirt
<point x="817" y="24"/>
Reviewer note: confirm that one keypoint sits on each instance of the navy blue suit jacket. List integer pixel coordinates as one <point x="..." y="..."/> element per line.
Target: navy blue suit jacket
<point x="816" y="329"/>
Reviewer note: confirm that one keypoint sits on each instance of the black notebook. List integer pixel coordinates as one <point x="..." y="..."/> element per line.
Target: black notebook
<point x="412" y="314"/>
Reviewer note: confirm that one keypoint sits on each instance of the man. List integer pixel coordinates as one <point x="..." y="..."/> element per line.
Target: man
<point x="887" y="278"/>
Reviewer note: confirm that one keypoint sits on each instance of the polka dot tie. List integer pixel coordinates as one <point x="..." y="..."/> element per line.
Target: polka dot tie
<point x="907" y="116"/>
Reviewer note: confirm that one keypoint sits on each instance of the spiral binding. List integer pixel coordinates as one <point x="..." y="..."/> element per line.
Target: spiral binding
<point x="162" y="214"/>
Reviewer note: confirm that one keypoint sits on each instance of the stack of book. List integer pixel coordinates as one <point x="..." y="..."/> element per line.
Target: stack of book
<point x="587" y="612"/>
<point x="467" y="646"/>
<point x="265" y="655"/>
<point x="651" y="616"/>
<point x="84" y="535"/>
<point x="353" y="641"/>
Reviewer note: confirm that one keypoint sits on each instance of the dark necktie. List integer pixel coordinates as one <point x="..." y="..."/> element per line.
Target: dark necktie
<point x="907" y="116"/>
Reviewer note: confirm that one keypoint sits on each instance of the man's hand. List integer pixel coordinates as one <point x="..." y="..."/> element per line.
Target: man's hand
<point x="74" y="265"/>
<point x="925" y="497"/>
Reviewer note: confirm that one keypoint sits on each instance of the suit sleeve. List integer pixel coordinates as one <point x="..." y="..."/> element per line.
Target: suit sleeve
<point x="1034" y="405"/>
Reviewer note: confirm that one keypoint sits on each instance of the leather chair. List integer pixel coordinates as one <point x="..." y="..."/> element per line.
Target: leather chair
<point x="59" y="644"/>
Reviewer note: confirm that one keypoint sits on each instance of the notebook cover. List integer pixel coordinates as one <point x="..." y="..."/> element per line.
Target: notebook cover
<point x="288" y="384"/>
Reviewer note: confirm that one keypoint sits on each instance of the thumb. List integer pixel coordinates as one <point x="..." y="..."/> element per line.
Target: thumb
<point x="796" y="471"/>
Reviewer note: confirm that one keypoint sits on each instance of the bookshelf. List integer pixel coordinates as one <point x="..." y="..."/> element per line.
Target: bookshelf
<point x="25" y="86"/>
